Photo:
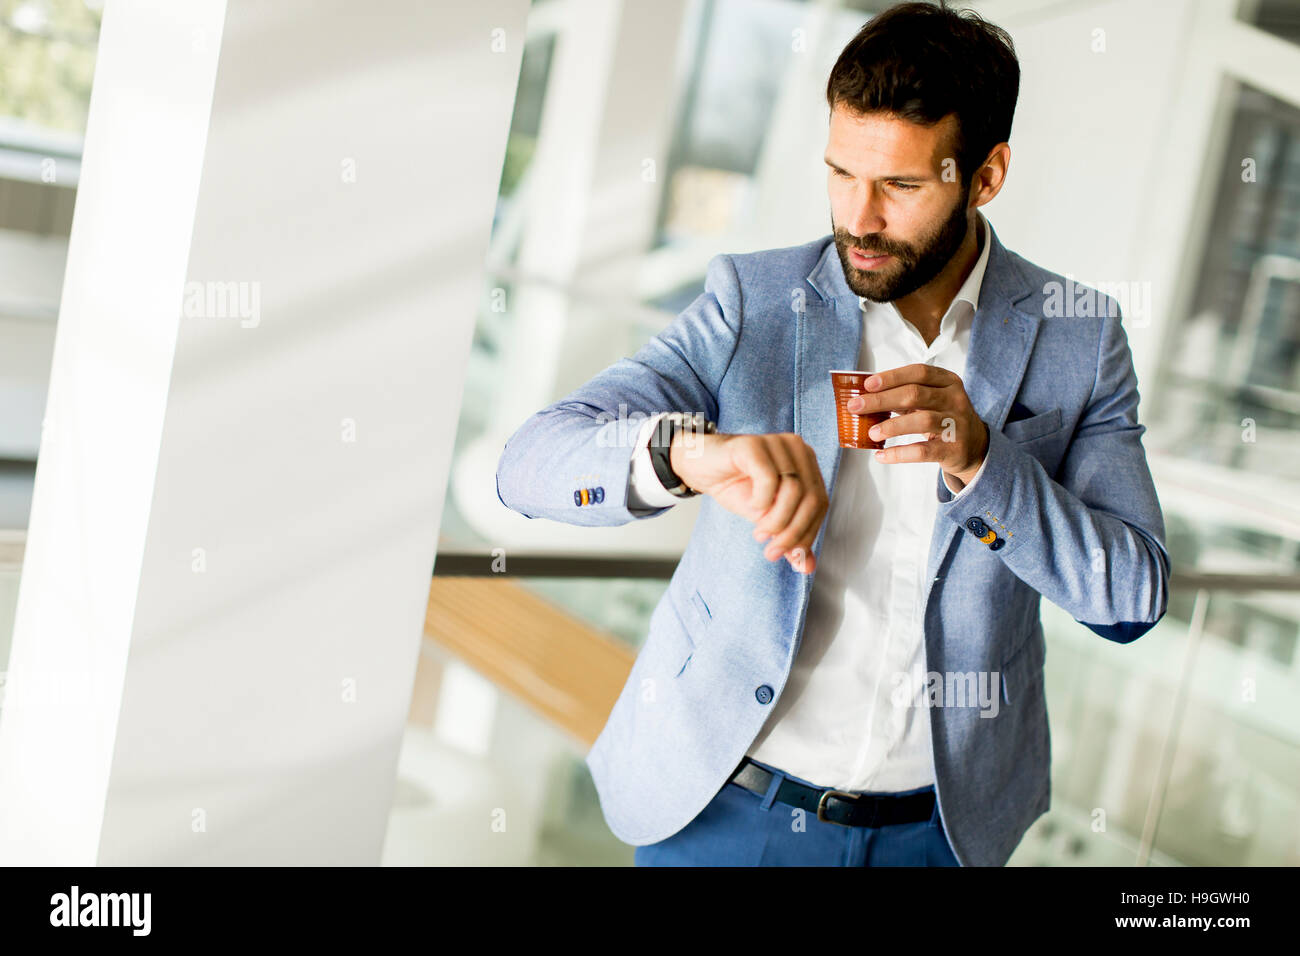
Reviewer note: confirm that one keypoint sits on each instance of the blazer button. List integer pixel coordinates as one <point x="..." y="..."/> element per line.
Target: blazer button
<point x="764" y="694"/>
<point x="997" y="544"/>
<point x="600" y="495"/>
<point x="577" y="498"/>
<point x="977" y="527"/>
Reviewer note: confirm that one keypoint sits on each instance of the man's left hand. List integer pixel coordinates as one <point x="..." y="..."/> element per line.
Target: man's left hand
<point x="930" y="401"/>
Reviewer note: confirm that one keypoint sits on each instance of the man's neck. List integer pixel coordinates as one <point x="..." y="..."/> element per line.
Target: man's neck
<point x="925" y="308"/>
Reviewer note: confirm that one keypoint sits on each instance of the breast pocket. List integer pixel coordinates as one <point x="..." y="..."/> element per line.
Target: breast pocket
<point x="1036" y="426"/>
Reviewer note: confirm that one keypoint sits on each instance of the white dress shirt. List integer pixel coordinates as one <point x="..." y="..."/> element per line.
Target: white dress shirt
<point x="836" y="723"/>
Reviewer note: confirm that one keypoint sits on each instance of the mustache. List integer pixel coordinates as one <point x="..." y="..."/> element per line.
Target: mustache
<point x="864" y="246"/>
<point x="877" y="249"/>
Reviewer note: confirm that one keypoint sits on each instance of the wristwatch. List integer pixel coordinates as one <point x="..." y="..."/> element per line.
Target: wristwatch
<point x="661" y="441"/>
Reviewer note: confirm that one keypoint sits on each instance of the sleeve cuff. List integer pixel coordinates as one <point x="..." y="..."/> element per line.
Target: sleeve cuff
<point x="644" y="489"/>
<point x="969" y="485"/>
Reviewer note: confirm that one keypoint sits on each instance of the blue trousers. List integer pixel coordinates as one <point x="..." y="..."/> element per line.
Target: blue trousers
<point x="740" y="828"/>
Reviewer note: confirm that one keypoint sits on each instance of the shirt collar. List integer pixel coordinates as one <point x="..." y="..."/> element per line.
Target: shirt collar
<point x="970" y="289"/>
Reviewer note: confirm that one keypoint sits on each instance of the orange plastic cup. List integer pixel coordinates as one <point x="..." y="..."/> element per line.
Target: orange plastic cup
<point x="853" y="426"/>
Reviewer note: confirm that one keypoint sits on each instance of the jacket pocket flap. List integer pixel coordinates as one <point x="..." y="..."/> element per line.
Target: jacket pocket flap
<point x="1036" y="426"/>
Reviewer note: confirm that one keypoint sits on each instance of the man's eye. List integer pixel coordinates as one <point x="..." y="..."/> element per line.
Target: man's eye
<point x="903" y="186"/>
<point x="841" y="173"/>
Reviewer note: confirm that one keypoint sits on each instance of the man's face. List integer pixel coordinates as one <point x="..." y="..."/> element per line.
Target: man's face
<point x="890" y="197"/>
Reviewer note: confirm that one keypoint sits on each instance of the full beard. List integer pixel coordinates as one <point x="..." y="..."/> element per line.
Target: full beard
<point x="912" y="266"/>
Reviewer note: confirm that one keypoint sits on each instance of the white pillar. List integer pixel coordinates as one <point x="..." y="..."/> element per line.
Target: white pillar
<point x="274" y="268"/>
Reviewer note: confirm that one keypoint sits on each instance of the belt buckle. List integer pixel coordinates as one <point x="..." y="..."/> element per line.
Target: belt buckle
<point x="821" y="805"/>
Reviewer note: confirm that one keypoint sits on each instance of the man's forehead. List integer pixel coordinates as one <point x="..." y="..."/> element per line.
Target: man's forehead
<point x="885" y="136"/>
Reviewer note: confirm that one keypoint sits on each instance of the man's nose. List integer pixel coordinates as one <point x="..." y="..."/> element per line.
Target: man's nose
<point x="865" y="216"/>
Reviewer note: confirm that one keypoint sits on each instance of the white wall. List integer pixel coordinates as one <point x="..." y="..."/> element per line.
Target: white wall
<point x="235" y="516"/>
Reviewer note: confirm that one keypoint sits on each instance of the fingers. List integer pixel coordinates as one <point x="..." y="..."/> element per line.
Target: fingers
<point x="904" y="388"/>
<point x="801" y="505"/>
<point x="906" y="397"/>
<point x="790" y="489"/>
<point x="801" y="530"/>
<point x="787" y="495"/>
<point x="932" y="424"/>
<point x="918" y="374"/>
<point x="796" y="540"/>
<point x="754" y="457"/>
<point x="933" y="450"/>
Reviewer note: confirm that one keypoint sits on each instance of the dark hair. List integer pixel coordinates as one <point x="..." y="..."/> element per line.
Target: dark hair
<point x="922" y="62"/>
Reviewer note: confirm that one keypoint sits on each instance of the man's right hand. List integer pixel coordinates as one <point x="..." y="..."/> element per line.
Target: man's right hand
<point x="771" y="480"/>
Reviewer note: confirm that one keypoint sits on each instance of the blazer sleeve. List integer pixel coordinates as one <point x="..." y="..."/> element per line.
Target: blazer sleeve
<point x="1092" y="542"/>
<point x="585" y="441"/>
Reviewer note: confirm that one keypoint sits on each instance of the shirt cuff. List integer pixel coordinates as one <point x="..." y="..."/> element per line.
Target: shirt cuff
<point x="644" y="489"/>
<point x="970" y="484"/>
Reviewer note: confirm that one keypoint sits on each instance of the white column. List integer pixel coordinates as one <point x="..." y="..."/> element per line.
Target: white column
<point x="272" y="280"/>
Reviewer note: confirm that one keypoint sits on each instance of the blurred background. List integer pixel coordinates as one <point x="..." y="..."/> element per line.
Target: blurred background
<point x="1156" y="145"/>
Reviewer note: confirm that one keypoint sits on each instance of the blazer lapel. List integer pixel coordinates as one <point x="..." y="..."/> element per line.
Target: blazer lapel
<point x="828" y="335"/>
<point x="1002" y="337"/>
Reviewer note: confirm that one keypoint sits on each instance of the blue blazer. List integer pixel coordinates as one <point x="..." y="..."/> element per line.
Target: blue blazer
<point x="1065" y="509"/>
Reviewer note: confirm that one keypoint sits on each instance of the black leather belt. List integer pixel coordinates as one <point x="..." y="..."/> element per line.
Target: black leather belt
<point x="837" y="806"/>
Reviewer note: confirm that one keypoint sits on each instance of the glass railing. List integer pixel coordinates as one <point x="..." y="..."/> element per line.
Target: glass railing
<point x="1182" y="748"/>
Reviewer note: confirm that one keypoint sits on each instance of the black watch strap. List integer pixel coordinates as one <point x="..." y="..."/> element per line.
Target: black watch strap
<point x="661" y="440"/>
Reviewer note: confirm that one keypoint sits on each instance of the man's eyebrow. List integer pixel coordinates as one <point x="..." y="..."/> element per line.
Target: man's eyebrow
<point x="903" y="177"/>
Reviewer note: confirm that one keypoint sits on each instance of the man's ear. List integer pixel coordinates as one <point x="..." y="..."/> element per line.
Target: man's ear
<point x="988" y="179"/>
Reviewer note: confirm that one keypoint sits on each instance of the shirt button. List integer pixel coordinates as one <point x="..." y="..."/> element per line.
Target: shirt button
<point x="764" y="694"/>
